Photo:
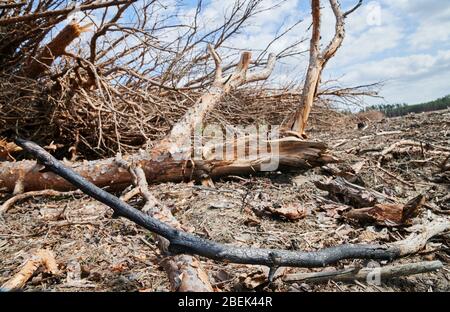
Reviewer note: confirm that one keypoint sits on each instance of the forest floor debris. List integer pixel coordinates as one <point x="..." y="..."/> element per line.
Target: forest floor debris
<point x="96" y="252"/>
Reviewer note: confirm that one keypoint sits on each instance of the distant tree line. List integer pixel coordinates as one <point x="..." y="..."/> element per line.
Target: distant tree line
<point x="394" y="110"/>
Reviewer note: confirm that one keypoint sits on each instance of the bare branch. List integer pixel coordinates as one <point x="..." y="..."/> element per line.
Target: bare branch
<point x="217" y="62"/>
<point x="92" y="6"/>
<point x="353" y="9"/>
<point x="265" y="73"/>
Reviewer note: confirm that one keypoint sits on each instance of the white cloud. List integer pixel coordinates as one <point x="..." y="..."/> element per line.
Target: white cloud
<point x="407" y="45"/>
<point x="408" y="78"/>
<point x="431" y="31"/>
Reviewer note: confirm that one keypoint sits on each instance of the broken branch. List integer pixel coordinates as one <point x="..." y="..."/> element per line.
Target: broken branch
<point x="10" y="202"/>
<point x="42" y="257"/>
<point x="366" y="274"/>
<point x="185" y="272"/>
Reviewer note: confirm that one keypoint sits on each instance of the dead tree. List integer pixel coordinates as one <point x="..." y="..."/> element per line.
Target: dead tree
<point x="170" y="159"/>
<point x="30" y="175"/>
<point x="317" y="62"/>
<point x="127" y="76"/>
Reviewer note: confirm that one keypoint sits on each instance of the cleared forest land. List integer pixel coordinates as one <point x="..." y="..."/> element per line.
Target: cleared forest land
<point x="396" y="159"/>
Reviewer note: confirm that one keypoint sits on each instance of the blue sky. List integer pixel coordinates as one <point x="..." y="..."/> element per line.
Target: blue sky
<point x="405" y="43"/>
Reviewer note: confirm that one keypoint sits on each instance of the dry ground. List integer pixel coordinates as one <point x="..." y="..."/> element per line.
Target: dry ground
<point x="97" y="253"/>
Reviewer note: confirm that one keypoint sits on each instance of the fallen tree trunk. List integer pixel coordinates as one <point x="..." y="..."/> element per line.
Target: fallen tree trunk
<point x="181" y="242"/>
<point x="170" y="160"/>
<point x="293" y="153"/>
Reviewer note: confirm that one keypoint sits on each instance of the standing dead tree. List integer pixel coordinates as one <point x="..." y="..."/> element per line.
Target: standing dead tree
<point x="317" y="62"/>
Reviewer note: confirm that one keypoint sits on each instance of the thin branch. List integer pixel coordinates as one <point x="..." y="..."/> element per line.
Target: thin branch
<point x="378" y="274"/>
<point x="65" y="11"/>
<point x="353" y="9"/>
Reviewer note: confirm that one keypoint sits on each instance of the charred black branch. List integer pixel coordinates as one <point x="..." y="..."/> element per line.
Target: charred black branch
<point x="182" y="242"/>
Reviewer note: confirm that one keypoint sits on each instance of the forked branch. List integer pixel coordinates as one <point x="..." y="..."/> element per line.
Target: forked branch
<point x="317" y="62"/>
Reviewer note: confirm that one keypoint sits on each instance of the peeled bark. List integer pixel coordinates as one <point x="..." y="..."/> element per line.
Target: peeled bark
<point x="298" y="123"/>
<point x="42" y="257"/>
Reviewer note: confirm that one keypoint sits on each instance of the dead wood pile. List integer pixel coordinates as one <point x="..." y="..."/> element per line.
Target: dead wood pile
<point x="89" y="97"/>
<point x="83" y="124"/>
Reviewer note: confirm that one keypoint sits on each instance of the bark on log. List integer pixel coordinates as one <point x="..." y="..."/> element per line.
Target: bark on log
<point x="293" y="153"/>
<point x="170" y="160"/>
<point x="186" y="243"/>
<point x="352" y="194"/>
